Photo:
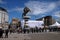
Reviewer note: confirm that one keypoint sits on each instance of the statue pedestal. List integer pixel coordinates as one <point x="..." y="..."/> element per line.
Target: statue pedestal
<point x="26" y="18"/>
<point x="25" y="21"/>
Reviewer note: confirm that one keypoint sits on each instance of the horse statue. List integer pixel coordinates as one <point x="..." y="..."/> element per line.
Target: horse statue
<point x="26" y="10"/>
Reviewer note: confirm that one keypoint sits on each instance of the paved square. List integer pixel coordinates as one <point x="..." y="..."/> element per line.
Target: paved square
<point x="34" y="36"/>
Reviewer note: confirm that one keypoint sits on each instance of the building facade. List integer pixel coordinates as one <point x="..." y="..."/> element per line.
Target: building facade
<point x="16" y="23"/>
<point x="3" y="16"/>
<point x="48" y="20"/>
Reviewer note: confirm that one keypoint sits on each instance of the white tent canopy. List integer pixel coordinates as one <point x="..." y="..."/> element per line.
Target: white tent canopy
<point x="33" y="24"/>
<point x="56" y="24"/>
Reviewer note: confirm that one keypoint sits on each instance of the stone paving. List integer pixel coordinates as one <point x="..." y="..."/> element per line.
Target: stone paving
<point x="34" y="36"/>
<point x="45" y="36"/>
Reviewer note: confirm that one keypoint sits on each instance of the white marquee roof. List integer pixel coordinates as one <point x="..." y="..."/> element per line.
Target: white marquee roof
<point x="56" y="24"/>
<point x="33" y="24"/>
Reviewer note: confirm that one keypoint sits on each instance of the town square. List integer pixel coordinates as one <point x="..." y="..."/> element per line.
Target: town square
<point x="29" y="20"/>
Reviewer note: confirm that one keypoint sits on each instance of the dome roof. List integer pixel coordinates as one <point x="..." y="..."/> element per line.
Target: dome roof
<point x="3" y="9"/>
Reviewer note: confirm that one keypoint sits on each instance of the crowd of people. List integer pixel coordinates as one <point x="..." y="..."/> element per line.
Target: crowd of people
<point x="8" y="29"/>
<point x="5" y="31"/>
<point x="36" y="29"/>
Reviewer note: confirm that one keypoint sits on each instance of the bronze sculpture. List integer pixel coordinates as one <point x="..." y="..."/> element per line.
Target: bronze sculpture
<point x="25" y="17"/>
<point x="26" y="10"/>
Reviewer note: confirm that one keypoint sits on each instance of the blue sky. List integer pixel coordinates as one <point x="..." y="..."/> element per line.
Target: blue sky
<point x="39" y="8"/>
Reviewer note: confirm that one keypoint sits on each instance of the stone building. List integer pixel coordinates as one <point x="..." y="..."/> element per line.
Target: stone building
<point x="3" y="17"/>
<point x="48" y="20"/>
<point x="15" y="23"/>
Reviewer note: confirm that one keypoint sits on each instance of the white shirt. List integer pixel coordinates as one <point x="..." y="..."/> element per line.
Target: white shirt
<point x="5" y="27"/>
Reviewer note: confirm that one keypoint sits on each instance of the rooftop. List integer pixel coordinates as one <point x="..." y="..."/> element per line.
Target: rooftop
<point x="3" y="9"/>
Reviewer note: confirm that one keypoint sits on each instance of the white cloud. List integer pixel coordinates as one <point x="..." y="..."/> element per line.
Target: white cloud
<point x="2" y="2"/>
<point x="38" y="7"/>
<point x="58" y="20"/>
<point x="18" y="9"/>
<point x="57" y="14"/>
<point x="58" y="3"/>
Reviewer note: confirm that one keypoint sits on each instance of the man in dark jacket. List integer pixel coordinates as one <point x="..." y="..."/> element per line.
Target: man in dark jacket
<point x="1" y="32"/>
<point x="6" y="31"/>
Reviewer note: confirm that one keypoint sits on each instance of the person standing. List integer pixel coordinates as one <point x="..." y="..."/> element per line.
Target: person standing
<point x="1" y="32"/>
<point x="10" y="29"/>
<point x="6" y="30"/>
